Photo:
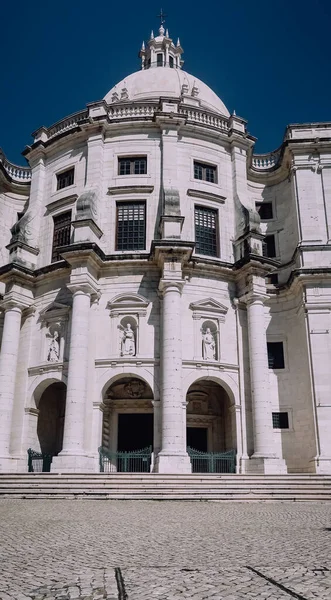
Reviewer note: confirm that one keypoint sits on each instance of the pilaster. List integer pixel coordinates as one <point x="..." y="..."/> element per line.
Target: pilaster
<point x="264" y="458"/>
<point x="74" y="456"/>
<point x="173" y="457"/>
<point x="8" y="376"/>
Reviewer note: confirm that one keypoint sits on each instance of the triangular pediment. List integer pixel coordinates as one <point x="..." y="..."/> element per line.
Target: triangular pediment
<point x="53" y="307"/>
<point x="54" y="312"/>
<point x="209" y="305"/>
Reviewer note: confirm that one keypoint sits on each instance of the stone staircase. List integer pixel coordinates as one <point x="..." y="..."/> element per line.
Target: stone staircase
<point x="150" y="486"/>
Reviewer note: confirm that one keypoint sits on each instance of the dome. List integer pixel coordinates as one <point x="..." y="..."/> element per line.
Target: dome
<point x="150" y="84"/>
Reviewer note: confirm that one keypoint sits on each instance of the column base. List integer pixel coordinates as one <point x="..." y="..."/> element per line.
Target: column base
<point x="73" y="463"/>
<point x="8" y="464"/>
<point x="264" y="465"/>
<point x="322" y="465"/>
<point x="172" y="463"/>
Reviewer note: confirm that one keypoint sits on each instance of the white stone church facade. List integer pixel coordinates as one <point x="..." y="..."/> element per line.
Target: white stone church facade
<point x="161" y="285"/>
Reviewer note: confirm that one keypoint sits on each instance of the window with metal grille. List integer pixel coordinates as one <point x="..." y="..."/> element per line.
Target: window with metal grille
<point x="131" y="226"/>
<point x="64" y="179"/>
<point x="269" y="246"/>
<point x="61" y="235"/>
<point x="205" y="172"/>
<point x="265" y="210"/>
<point x="275" y="355"/>
<point x="280" y="420"/>
<point x="132" y="165"/>
<point x="206" y="228"/>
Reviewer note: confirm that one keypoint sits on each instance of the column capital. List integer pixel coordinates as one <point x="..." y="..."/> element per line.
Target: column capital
<point x="84" y="288"/>
<point x="166" y="285"/>
<point x="253" y="298"/>
<point x="13" y="305"/>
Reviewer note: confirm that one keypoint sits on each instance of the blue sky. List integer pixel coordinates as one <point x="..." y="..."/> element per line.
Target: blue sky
<point x="270" y="61"/>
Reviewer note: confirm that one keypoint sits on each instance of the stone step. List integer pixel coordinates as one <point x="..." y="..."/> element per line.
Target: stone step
<point x="174" y="496"/>
<point x="166" y="487"/>
<point x="159" y="476"/>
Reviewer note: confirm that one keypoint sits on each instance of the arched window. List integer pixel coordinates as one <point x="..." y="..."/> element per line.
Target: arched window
<point x="159" y="60"/>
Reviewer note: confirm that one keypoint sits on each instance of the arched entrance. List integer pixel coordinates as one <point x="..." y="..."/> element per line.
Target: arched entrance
<point x="211" y="426"/>
<point x="128" y="424"/>
<point x="50" y="425"/>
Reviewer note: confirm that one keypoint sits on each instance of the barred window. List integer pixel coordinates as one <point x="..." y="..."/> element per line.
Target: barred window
<point x="205" y="172"/>
<point x="206" y="228"/>
<point x="275" y="355"/>
<point x="61" y="233"/>
<point x="65" y="179"/>
<point x="280" y="420"/>
<point x="265" y="210"/>
<point x="132" y="165"/>
<point x="131" y="226"/>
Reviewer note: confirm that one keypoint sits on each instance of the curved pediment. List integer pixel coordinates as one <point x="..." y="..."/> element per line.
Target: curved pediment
<point x="209" y="305"/>
<point x="124" y="303"/>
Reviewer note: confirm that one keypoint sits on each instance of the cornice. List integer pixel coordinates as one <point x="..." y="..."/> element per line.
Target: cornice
<point x="130" y="189"/>
<point x="206" y="195"/>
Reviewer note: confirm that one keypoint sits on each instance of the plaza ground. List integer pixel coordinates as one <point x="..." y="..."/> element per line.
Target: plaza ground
<point x="142" y="550"/>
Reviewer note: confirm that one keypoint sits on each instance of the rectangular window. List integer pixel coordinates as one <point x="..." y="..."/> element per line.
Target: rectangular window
<point x="171" y="62"/>
<point x="159" y="60"/>
<point x="205" y="172"/>
<point x="65" y="179"/>
<point x="272" y="278"/>
<point x="131" y="226"/>
<point x="280" y="420"/>
<point x="61" y="234"/>
<point x="265" y="210"/>
<point x="206" y="228"/>
<point x="275" y="355"/>
<point x="132" y="165"/>
<point x="269" y="246"/>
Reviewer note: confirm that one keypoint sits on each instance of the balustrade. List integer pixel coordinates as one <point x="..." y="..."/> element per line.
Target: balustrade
<point x="266" y="162"/>
<point x="16" y="173"/>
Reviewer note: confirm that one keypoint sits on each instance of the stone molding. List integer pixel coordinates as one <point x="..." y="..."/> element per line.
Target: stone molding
<point x="130" y="189"/>
<point x="206" y="195"/>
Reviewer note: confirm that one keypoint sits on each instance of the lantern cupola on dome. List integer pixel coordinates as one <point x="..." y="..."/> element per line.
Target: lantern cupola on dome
<point x="160" y="51"/>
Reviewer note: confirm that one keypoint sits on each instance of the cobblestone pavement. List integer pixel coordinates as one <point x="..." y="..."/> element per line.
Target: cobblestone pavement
<point x="141" y="550"/>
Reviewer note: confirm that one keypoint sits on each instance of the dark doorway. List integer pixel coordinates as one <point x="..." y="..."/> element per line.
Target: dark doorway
<point x="51" y="418"/>
<point x="135" y="431"/>
<point x="197" y="438"/>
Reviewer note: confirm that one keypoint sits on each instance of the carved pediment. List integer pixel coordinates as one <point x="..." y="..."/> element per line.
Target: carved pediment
<point x="209" y="306"/>
<point x="55" y="311"/>
<point x="128" y="303"/>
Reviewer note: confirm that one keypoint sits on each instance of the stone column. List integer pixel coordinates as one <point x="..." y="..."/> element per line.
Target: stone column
<point x="173" y="457"/>
<point x="8" y="366"/>
<point x="264" y="459"/>
<point x="73" y="457"/>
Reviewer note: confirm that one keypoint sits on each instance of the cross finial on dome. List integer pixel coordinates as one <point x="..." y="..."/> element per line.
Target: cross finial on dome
<point x="162" y="16"/>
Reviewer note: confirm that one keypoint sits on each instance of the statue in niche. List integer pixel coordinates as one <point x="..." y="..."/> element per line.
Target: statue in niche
<point x="128" y="346"/>
<point x="54" y="348"/>
<point x="208" y="345"/>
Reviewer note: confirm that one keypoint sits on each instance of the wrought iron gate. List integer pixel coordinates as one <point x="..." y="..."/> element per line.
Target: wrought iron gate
<point x="39" y="462"/>
<point x="132" y="461"/>
<point x="212" y="462"/>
